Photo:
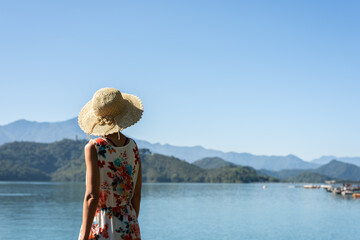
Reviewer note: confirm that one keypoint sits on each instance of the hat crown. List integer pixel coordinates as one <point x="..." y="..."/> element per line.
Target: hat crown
<point x="110" y="111"/>
<point x="107" y="102"/>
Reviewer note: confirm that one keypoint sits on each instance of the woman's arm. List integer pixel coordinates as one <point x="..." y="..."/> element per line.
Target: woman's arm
<point x="135" y="201"/>
<point x="92" y="189"/>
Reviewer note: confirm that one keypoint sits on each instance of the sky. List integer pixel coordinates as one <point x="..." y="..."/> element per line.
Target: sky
<point x="264" y="77"/>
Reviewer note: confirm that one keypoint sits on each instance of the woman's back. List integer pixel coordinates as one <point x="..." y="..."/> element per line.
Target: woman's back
<point x="115" y="217"/>
<point x="113" y="172"/>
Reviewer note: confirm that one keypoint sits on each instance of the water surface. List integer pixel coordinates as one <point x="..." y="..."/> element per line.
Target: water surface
<point x="42" y="211"/>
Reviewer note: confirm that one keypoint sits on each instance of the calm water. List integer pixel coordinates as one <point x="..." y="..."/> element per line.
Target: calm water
<point x="44" y="211"/>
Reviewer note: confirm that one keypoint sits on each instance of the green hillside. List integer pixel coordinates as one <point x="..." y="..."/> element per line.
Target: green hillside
<point x="212" y="162"/>
<point x="233" y="174"/>
<point x="340" y="170"/>
<point x="309" y="177"/>
<point x="64" y="161"/>
<point x="161" y="168"/>
<point x="29" y="161"/>
<point x="282" y="174"/>
<point x="18" y="172"/>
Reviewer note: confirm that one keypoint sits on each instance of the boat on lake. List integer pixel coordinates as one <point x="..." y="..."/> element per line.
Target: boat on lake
<point x="336" y="190"/>
<point x="356" y="195"/>
<point x="347" y="193"/>
<point x="345" y="189"/>
<point x="326" y="187"/>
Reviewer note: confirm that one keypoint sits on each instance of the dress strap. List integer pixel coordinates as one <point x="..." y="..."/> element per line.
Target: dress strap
<point x="112" y="143"/>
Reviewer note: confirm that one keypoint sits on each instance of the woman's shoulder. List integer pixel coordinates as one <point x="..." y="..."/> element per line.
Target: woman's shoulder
<point x="133" y="143"/>
<point x="90" y="147"/>
<point x="131" y="140"/>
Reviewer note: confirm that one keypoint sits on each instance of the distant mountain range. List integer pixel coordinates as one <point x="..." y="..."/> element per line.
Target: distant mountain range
<point x="335" y="170"/>
<point x="192" y="154"/>
<point x="64" y="161"/>
<point x="326" y="159"/>
<point x="46" y="132"/>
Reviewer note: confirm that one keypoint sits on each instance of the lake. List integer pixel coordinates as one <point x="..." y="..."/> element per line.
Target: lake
<point x="178" y="211"/>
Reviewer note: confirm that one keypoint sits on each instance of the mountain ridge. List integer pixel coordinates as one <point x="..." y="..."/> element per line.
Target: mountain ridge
<point x="334" y="170"/>
<point x="326" y="159"/>
<point x="212" y="162"/>
<point x="24" y="130"/>
<point x="64" y="161"/>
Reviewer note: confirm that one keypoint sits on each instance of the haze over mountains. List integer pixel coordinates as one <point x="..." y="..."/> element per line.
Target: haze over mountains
<point x="23" y="130"/>
<point x="334" y="170"/>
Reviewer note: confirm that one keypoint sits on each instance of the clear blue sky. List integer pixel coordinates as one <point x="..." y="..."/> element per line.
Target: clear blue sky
<point x="265" y="77"/>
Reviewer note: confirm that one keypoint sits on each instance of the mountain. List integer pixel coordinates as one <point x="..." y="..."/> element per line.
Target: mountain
<point x="161" y="168"/>
<point x="268" y="162"/>
<point x="212" y="162"/>
<point x="283" y="174"/>
<point x="24" y="130"/>
<point x="17" y="172"/>
<point x="4" y="138"/>
<point x="327" y="159"/>
<point x="39" y="161"/>
<point x="46" y="132"/>
<point x="309" y="177"/>
<point x="233" y="174"/>
<point x="192" y="154"/>
<point x="189" y="154"/>
<point x="340" y="170"/>
<point x="334" y="170"/>
<point x="64" y="161"/>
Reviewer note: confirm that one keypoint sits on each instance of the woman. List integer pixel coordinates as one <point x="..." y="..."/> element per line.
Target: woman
<point x="113" y="167"/>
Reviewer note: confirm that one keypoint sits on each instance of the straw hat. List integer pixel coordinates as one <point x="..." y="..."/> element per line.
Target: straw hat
<point x="110" y="111"/>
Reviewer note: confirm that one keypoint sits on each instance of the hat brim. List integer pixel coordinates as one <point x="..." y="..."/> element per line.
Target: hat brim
<point x="130" y="114"/>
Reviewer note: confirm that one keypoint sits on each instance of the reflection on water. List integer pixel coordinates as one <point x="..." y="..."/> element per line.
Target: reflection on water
<point x="16" y="194"/>
<point x="186" y="211"/>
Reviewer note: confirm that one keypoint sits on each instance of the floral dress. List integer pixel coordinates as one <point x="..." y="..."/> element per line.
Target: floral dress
<point x="115" y="217"/>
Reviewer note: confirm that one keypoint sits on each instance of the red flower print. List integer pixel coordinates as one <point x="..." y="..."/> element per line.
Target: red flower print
<point x="100" y="141"/>
<point x="136" y="152"/>
<point x="135" y="229"/>
<point x="101" y="163"/>
<point x="128" y="237"/>
<point x="111" y="166"/>
<point x="122" y="172"/>
<point x="120" y="200"/>
<point x="116" y="209"/>
<point x="128" y="185"/>
<point x="103" y="196"/>
<point x="104" y="231"/>
<point x="97" y="211"/>
<point x="123" y="155"/>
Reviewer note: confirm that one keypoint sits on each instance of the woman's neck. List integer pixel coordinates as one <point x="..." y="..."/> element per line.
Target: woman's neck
<point x="114" y="138"/>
